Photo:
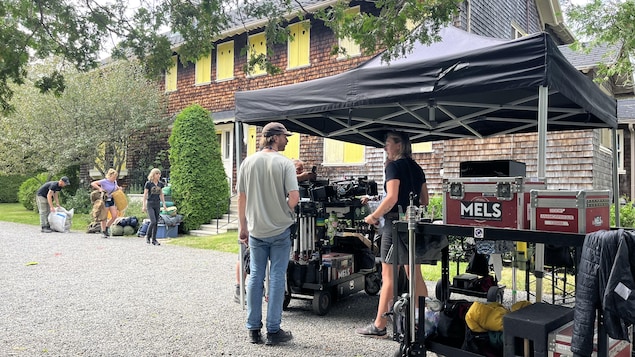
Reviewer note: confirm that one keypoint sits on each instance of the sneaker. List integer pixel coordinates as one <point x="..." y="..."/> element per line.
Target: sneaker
<point x="46" y="230"/>
<point x="279" y="337"/>
<point x="104" y="234"/>
<point x="255" y="336"/>
<point x="371" y="330"/>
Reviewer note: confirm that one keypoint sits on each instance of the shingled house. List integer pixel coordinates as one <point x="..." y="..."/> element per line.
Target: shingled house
<point x="576" y="160"/>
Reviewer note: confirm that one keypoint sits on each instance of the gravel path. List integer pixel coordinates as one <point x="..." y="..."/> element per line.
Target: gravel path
<point x="77" y="294"/>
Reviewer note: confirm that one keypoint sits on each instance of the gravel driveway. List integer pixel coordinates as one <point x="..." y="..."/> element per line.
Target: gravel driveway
<point x="77" y="294"/>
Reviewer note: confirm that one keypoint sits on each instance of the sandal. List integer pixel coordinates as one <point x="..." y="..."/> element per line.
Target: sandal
<point x="371" y="330"/>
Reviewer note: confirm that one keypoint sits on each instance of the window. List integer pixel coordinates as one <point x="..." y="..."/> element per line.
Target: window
<point x="352" y="48"/>
<point x="257" y="46"/>
<point x="339" y="152"/>
<point x="225" y="61"/>
<point x="204" y="70"/>
<point x="170" y="76"/>
<point x="292" y="150"/>
<point x="227" y="145"/>
<point x="299" y="44"/>
<point x="422" y="147"/>
<point x="605" y="138"/>
<point x="620" y="152"/>
<point x="607" y="144"/>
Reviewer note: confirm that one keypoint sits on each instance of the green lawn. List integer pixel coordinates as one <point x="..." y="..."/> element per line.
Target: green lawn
<point x="227" y="242"/>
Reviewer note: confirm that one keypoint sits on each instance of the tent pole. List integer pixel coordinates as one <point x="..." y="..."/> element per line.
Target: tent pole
<point x="616" y="188"/>
<point x="543" y="99"/>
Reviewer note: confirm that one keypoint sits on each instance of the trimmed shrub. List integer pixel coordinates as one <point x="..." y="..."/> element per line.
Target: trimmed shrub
<point x="9" y="187"/>
<point x="28" y="189"/>
<point x="199" y="186"/>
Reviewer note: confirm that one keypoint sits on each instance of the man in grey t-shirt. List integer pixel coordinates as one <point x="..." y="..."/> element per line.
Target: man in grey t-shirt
<point x="267" y="195"/>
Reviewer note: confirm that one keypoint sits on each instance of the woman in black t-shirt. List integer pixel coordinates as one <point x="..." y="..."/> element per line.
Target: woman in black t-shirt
<point x="402" y="176"/>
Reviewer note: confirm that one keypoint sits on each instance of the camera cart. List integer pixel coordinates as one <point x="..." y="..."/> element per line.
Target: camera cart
<point x="333" y="252"/>
<point x="474" y="282"/>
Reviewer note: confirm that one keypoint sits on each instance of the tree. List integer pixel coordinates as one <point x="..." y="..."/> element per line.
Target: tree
<point x="605" y="22"/>
<point x="199" y="186"/>
<point x="78" y="31"/>
<point x="92" y="119"/>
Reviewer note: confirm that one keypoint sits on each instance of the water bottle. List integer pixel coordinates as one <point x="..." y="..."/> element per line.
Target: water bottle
<point x="331" y="227"/>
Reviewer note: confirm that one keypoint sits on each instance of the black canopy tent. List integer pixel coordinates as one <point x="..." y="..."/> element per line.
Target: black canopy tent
<point x="464" y="86"/>
<point x="438" y="92"/>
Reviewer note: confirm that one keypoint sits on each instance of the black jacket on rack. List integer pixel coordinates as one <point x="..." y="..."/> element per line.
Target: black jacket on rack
<point x="604" y="281"/>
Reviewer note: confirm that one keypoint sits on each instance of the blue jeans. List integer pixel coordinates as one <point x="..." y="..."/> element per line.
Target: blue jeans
<point x="277" y="250"/>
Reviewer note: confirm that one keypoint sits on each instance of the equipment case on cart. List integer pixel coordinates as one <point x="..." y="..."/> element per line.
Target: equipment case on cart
<point x="489" y="201"/>
<point x="581" y="211"/>
<point x="560" y="343"/>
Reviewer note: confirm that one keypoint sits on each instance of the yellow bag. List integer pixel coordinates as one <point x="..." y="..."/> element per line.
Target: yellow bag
<point x="120" y="200"/>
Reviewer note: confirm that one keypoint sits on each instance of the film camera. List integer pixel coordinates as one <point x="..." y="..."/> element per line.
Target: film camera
<point x="342" y="190"/>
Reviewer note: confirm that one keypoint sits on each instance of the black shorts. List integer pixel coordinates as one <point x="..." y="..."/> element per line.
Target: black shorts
<point x="427" y="250"/>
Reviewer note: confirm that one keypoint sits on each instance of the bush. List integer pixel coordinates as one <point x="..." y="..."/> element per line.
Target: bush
<point x="627" y="215"/>
<point x="435" y="206"/>
<point x="199" y="187"/>
<point x="9" y="187"/>
<point x="80" y="201"/>
<point x="28" y="190"/>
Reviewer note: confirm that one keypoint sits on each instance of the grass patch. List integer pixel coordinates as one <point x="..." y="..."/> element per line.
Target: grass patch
<point x="225" y="242"/>
<point x="16" y="213"/>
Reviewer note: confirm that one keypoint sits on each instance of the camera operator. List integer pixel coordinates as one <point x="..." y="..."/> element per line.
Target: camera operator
<point x="304" y="175"/>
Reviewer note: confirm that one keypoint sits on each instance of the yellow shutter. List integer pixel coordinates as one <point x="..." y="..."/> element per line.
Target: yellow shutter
<point x="204" y="70"/>
<point x="422" y="147"/>
<point x="292" y="150"/>
<point x="339" y="152"/>
<point x="251" y="140"/>
<point x="299" y="44"/>
<point x="353" y="153"/>
<point x="352" y="48"/>
<point x="225" y="61"/>
<point x="257" y="46"/>
<point x="170" y="76"/>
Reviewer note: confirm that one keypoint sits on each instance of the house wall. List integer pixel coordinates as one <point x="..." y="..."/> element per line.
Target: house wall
<point x="573" y="158"/>
<point x="219" y="96"/>
<point x="494" y="18"/>
<point x="572" y="162"/>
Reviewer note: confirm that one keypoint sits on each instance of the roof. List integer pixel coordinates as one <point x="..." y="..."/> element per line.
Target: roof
<point x="584" y="61"/>
<point x="626" y="109"/>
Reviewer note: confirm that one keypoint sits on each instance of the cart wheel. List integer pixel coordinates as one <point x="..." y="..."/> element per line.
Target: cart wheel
<point x="438" y="290"/>
<point x="287" y="300"/>
<point x="321" y="302"/>
<point x="495" y="294"/>
<point x="372" y="283"/>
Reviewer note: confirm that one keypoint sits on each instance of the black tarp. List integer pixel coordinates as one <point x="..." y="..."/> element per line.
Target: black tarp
<point x="464" y="86"/>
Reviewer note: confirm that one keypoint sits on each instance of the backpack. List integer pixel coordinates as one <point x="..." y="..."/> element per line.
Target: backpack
<point x="451" y="327"/>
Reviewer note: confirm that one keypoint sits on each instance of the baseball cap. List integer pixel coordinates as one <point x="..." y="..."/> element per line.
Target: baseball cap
<point x="275" y="128"/>
<point x="65" y="180"/>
